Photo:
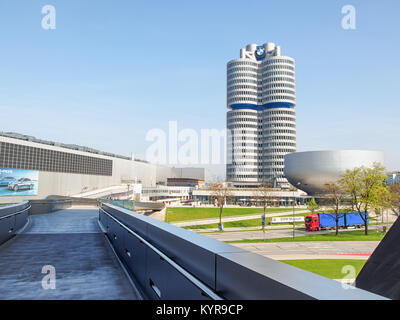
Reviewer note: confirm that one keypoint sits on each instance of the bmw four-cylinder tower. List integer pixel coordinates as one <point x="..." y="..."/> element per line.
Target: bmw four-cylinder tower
<point x="261" y="121"/>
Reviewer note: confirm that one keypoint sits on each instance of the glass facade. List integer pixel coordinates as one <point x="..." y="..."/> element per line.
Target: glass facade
<point x="32" y="158"/>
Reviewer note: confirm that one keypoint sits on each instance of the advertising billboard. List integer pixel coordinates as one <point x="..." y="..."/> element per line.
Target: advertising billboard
<point x="18" y="182"/>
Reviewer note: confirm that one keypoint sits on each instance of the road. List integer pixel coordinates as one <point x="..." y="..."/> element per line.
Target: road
<point x="270" y="234"/>
<point x="312" y="249"/>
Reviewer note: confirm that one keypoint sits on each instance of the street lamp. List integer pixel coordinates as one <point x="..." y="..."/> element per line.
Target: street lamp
<point x="294" y="199"/>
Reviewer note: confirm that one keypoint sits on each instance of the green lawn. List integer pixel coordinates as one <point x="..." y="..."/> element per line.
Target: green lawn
<point x="175" y="214"/>
<point x="329" y="268"/>
<point x="241" y="224"/>
<point x="342" y="236"/>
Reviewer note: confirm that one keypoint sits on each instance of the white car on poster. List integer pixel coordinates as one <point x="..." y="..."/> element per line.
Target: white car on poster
<point x="21" y="184"/>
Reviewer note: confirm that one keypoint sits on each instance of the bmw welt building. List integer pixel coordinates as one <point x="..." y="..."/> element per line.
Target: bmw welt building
<point x="33" y="169"/>
<point x="261" y="121"/>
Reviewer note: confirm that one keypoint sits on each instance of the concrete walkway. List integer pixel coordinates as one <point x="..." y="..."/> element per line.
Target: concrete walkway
<point x="71" y="242"/>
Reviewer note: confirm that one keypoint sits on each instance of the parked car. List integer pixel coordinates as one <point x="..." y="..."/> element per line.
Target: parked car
<point x="4" y="181"/>
<point x="21" y="184"/>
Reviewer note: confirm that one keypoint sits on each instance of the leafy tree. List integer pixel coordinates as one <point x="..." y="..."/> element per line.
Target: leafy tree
<point x="312" y="205"/>
<point x="366" y="188"/>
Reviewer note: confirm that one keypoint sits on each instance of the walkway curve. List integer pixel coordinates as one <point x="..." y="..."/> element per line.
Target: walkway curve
<point x="71" y="243"/>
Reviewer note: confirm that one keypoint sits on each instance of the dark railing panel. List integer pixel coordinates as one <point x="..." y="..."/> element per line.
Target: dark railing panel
<point x="135" y="258"/>
<point x="12" y="219"/>
<point x="7" y="225"/>
<point x="381" y="272"/>
<point x="21" y="219"/>
<point x="163" y="277"/>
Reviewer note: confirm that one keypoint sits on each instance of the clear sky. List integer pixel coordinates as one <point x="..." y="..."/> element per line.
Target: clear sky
<point x="113" y="70"/>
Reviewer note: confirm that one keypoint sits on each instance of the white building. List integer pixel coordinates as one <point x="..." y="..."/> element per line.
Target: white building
<point x="166" y="193"/>
<point x="243" y="196"/>
<point x="54" y="168"/>
<point x="261" y="121"/>
<point x="393" y="178"/>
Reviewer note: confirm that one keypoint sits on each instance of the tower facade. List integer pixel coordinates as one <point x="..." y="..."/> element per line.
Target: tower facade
<point x="261" y="118"/>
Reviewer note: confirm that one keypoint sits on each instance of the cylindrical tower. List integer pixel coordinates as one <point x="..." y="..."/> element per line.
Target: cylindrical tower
<point x="261" y="121"/>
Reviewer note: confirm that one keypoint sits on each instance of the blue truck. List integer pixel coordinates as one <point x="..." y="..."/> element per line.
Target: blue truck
<point x="321" y="221"/>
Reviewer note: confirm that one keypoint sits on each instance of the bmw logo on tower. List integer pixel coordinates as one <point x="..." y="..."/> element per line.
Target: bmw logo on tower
<point x="260" y="52"/>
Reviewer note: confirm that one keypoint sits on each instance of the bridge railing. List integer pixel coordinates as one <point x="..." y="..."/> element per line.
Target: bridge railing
<point x="168" y="262"/>
<point x="13" y="218"/>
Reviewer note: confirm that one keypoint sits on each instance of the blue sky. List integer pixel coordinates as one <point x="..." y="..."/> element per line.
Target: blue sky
<point x="113" y="70"/>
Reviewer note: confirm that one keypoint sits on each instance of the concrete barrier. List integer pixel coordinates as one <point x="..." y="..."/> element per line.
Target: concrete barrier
<point x="48" y="206"/>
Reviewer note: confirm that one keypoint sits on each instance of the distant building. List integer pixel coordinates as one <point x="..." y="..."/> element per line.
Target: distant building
<point x="166" y="194"/>
<point x="261" y="121"/>
<point x="393" y="177"/>
<point x="249" y="196"/>
<point x="185" y="182"/>
<point x="31" y="168"/>
<point x="312" y="170"/>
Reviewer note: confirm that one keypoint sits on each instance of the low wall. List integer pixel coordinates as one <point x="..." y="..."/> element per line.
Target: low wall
<point x="47" y="206"/>
<point x="76" y="201"/>
<point x="168" y="262"/>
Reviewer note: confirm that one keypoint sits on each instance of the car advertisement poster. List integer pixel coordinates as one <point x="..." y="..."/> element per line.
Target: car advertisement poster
<point x="18" y="182"/>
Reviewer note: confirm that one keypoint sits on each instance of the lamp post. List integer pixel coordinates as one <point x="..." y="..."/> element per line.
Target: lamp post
<point x="294" y="199"/>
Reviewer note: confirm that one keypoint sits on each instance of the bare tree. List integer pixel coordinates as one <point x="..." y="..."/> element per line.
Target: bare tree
<point x="263" y="194"/>
<point x="334" y="196"/>
<point x="221" y="194"/>
<point x="394" y="190"/>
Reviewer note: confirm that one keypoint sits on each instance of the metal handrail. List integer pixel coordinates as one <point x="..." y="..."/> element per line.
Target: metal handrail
<point x="15" y="213"/>
<point x="182" y="271"/>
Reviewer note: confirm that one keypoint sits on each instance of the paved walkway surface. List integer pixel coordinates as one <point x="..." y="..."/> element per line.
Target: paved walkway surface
<point x="312" y="249"/>
<point x="159" y="215"/>
<point x="72" y="242"/>
<point x="237" y="218"/>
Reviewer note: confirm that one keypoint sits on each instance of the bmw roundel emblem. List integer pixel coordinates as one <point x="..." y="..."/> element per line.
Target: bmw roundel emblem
<point x="260" y="52"/>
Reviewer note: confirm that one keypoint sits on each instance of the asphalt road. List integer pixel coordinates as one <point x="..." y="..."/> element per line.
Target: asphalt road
<point x="270" y="234"/>
<point x="312" y="249"/>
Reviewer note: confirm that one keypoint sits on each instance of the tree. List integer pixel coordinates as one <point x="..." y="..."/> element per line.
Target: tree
<point x="312" y="205"/>
<point x="334" y="196"/>
<point x="263" y="194"/>
<point x="221" y="193"/>
<point x="394" y="190"/>
<point x="367" y="189"/>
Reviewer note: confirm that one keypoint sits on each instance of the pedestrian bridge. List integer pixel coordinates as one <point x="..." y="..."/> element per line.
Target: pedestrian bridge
<point x="58" y="251"/>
